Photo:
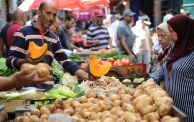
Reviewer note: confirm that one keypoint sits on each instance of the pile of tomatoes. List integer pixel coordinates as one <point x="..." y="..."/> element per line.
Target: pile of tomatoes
<point x="115" y="63"/>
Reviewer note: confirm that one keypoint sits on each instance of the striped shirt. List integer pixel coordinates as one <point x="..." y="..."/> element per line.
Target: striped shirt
<point x="98" y="33"/>
<point x="179" y="83"/>
<point x="30" y="33"/>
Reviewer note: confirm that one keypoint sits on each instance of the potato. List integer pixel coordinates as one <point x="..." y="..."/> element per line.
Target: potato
<point x="28" y="68"/>
<point x="114" y="97"/>
<point x="167" y="117"/>
<point x="174" y="119"/>
<point x="92" y="100"/>
<point x="26" y="119"/>
<point x="117" y="102"/>
<point x="152" y="117"/>
<point x="27" y="114"/>
<point x="35" y="112"/>
<point x="138" y="92"/>
<point x="19" y="119"/>
<point x="43" y="72"/>
<point x="139" y="98"/>
<point x="108" y="120"/>
<point x="69" y="111"/>
<point x="147" y="109"/>
<point x="44" y="117"/>
<point x="58" y="110"/>
<point x="44" y="110"/>
<point x="34" y="118"/>
<point x="101" y="97"/>
<point x="164" y="109"/>
<point x="143" y="102"/>
<point x="75" y="103"/>
<point x="126" y="97"/>
<point x="59" y="103"/>
<point x="83" y="99"/>
<point x="91" y="94"/>
<point x="128" y="107"/>
<point x="51" y="107"/>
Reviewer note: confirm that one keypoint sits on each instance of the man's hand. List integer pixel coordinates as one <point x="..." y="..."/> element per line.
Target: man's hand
<point x="96" y="42"/>
<point x="82" y="74"/>
<point x="23" y="78"/>
<point x="28" y="59"/>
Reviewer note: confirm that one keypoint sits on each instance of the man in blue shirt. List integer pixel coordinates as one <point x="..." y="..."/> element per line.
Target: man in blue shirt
<point x="124" y="34"/>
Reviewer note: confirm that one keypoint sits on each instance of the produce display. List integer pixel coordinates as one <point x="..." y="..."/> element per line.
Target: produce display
<point x="4" y="70"/>
<point x="76" y="57"/>
<point x="147" y="103"/>
<point x="57" y="69"/>
<point x="36" y="51"/>
<point x="103" y="85"/>
<point x="98" y="68"/>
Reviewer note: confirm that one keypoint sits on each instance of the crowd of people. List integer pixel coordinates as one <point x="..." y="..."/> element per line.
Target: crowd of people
<point x="174" y="46"/>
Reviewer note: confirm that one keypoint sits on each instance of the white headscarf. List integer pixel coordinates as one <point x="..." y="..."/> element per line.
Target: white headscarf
<point x="164" y="27"/>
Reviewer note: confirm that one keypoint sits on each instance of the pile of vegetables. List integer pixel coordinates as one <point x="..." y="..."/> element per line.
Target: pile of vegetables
<point x="76" y="57"/>
<point x="147" y="103"/>
<point x="61" y="91"/>
<point x="4" y="70"/>
<point x="57" y="69"/>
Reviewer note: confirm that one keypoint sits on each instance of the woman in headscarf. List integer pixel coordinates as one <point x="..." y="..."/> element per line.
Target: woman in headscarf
<point x="164" y="41"/>
<point x="179" y="66"/>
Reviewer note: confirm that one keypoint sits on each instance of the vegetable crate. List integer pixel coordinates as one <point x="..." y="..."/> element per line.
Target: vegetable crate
<point x="177" y="113"/>
<point x="132" y="71"/>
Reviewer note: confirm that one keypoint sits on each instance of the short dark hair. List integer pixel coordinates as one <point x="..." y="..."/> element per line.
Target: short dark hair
<point x="9" y="17"/>
<point x="173" y="12"/>
<point x="42" y="5"/>
<point x="69" y="17"/>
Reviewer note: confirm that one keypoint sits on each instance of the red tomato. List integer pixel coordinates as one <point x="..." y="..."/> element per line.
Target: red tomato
<point x="112" y="60"/>
<point x="83" y="65"/>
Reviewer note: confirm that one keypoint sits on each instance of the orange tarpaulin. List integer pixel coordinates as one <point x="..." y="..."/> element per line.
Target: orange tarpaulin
<point x="64" y="4"/>
<point x="61" y="4"/>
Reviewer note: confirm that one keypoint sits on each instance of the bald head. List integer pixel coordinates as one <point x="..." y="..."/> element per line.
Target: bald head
<point x="19" y="16"/>
<point x="46" y="3"/>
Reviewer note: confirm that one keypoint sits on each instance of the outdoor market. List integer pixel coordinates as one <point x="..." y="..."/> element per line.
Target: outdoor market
<point x="96" y="61"/>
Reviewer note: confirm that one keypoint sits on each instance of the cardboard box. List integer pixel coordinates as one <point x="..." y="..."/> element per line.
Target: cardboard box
<point x="132" y="71"/>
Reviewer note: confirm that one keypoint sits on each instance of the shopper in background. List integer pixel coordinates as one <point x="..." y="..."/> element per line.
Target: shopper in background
<point x="125" y="34"/>
<point x="178" y="69"/>
<point x="142" y="46"/>
<point x="164" y="40"/>
<point x="65" y="33"/>
<point x="97" y="34"/>
<point x="4" y="48"/>
<point x="19" y="19"/>
<point x="143" y="16"/>
<point x="55" y="26"/>
<point x="169" y="14"/>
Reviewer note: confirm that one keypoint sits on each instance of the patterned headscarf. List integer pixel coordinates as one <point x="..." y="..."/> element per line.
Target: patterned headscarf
<point x="184" y="27"/>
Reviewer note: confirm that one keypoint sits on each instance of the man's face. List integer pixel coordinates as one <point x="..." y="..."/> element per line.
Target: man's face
<point x="47" y="15"/>
<point x="99" y="20"/>
<point x="128" y="19"/>
<point x="69" y="24"/>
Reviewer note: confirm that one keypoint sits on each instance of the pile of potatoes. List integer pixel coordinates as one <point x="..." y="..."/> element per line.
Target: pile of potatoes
<point x="42" y="69"/>
<point x="147" y="103"/>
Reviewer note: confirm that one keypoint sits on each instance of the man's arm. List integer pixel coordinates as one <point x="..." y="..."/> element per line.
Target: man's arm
<point x="19" y="79"/>
<point x="18" y="51"/>
<point x="110" y="42"/>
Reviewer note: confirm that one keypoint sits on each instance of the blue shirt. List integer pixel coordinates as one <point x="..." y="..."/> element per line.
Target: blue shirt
<point x="124" y="30"/>
<point x="30" y="33"/>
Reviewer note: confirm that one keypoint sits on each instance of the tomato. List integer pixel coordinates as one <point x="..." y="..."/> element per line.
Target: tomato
<point x="112" y="60"/>
<point x="84" y="65"/>
<point x="125" y="62"/>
